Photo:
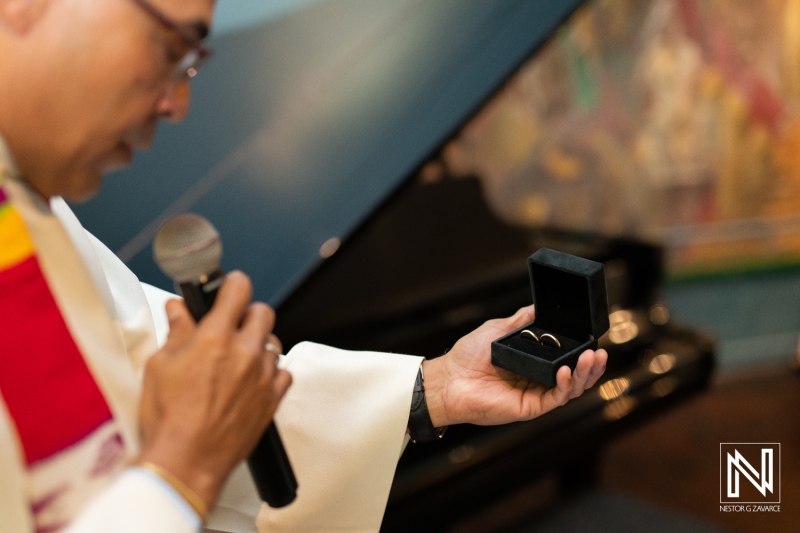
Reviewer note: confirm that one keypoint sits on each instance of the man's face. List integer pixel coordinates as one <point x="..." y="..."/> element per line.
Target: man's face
<point x="108" y="80"/>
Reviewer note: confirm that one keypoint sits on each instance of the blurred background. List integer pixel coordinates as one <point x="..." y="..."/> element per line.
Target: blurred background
<point x="383" y="170"/>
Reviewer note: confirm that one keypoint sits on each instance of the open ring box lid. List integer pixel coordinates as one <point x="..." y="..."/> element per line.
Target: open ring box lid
<point x="569" y="295"/>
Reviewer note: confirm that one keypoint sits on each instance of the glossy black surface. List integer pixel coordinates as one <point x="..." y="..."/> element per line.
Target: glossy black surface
<point x="301" y="127"/>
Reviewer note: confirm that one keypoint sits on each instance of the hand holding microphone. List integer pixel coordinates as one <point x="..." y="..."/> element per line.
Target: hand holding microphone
<point x="213" y="388"/>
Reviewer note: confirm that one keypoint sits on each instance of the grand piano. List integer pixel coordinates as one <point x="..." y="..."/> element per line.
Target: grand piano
<point x="318" y="145"/>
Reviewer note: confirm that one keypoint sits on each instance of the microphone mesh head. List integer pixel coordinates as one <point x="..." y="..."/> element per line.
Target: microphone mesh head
<point x="187" y="247"/>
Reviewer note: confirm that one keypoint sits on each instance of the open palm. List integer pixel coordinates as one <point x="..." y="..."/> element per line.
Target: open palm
<point x="464" y="386"/>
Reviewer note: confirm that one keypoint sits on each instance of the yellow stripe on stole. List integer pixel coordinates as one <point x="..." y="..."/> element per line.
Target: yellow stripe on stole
<point x="15" y="243"/>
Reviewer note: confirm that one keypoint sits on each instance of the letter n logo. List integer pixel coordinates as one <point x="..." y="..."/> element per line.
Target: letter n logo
<point x="750" y="472"/>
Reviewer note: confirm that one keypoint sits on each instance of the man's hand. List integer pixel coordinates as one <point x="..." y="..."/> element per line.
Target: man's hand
<point x="464" y="386"/>
<point x="213" y="388"/>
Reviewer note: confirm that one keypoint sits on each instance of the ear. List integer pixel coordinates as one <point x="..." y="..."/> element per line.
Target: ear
<point x="21" y="15"/>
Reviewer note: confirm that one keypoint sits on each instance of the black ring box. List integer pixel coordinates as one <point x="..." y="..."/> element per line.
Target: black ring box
<point x="569" y="295"/>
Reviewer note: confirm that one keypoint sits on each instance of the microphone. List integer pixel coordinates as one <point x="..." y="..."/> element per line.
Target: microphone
<point x="187" y="248"/>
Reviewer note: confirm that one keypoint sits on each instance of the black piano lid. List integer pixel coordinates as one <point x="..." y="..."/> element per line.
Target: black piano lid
<point x="300" y="128"/>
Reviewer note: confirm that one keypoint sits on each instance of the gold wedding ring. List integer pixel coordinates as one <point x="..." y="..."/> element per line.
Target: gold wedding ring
<point x="549" y="336"/>
<point x="552" y="341"/>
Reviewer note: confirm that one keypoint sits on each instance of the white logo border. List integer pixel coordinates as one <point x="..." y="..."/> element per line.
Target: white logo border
<point x="721" y="473"/>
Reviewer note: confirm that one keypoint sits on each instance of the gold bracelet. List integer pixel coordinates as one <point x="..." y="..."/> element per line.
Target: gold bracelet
<point x="180" y="487"/>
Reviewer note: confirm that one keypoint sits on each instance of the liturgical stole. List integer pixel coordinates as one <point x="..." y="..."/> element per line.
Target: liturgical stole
<point x="69" y="439"/>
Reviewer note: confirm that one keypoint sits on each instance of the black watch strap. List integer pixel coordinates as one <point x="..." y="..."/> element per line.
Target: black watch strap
<point x="420" y="427"/>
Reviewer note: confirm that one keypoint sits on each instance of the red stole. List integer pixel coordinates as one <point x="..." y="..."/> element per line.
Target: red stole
<point x="50" y="393"/>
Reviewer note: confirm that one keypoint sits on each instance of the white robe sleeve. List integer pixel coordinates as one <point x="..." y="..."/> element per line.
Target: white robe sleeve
<point x="134" y="503"/>
<point x="343" y="424"/>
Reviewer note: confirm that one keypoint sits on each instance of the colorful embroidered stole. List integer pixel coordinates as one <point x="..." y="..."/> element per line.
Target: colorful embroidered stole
<point x="66" y="430"/>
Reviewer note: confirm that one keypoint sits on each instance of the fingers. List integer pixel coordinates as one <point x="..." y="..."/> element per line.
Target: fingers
<point x="228" y="308"/>
<point x="599" y="366"/>
<point x="562" y="392"/>
<point x="591" y="365"/>
<point x="257" y="319"/>
<point x="523" y="316"/>
<point x="256" y="333"/>
<point x="278" y="381"/>
<point x="556" y="396"/>
<point x="257" y="325"/>
<point x="232" y="301"/>
<point x="181" y="323"/>
<point x="281" y="382"/>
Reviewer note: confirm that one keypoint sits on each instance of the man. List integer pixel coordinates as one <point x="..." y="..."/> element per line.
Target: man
<point x="102" y="430"/>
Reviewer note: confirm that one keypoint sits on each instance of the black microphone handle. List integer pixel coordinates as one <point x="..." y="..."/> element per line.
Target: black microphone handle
<point x="269" y="465"/>
<point x="271" y="470"/>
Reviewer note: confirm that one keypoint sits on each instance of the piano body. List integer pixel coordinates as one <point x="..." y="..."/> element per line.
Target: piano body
<point x="318" y="147"/>
<point x="432" y="265"/>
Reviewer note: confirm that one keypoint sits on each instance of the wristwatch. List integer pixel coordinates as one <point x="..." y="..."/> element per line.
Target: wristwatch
<point x="420" y="427"/>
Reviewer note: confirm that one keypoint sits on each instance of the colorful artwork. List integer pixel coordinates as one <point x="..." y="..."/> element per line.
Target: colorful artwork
<point x="673" y="121"/>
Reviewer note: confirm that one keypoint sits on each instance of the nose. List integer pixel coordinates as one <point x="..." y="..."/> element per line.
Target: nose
<point x="173" y="103"/>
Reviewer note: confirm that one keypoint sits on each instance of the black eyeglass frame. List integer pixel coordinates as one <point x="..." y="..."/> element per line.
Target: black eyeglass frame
<point x="187" y="67"/>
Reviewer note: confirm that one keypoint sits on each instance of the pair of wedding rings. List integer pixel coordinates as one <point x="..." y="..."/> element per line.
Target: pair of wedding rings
<point x="552" y="341"/>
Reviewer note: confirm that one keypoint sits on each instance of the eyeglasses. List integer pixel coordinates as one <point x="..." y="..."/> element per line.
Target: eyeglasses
<point x="186" y="68"/>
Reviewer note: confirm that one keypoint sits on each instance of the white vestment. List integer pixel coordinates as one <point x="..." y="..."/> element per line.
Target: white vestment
<point x="343" y="421"/>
